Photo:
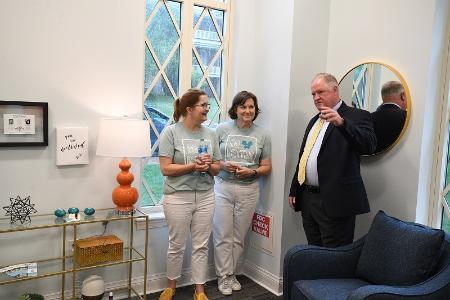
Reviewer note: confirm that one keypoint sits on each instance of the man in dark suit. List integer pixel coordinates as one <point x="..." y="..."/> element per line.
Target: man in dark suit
<point x="390" y="117"/>
<point x="327" y="186"/>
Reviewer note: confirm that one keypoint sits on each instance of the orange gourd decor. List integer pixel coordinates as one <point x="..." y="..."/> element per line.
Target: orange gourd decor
<point x="125" y="196"/>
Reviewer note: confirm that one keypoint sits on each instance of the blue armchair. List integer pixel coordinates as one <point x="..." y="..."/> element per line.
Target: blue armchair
<point x="395" y="260"/>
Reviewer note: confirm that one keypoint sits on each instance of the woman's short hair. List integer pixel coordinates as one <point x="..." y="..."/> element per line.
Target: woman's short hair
<point x="240" y="99"/>
<point x="188" y="99"/>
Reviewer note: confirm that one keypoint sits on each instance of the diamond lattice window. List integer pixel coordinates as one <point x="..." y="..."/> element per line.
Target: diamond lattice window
<point x="175" y="60"/>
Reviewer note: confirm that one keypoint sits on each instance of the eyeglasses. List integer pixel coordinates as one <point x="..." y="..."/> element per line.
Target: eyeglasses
<point x="204" y="105"/>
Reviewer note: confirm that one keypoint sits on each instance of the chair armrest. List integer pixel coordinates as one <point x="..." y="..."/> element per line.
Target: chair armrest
<point x="312" y="262"/>
<point x="435" y="287"/>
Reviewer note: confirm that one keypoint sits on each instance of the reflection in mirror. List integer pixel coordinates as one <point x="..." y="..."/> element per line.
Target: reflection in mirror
<point x="381" y="90"/>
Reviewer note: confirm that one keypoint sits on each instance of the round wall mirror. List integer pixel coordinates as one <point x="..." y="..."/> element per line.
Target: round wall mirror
<point x="381" y="90"/>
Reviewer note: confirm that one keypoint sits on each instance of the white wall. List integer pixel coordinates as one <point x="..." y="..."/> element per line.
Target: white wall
<point x="262" y="48"/>
<point x="309" y="51"/>
<point x="85" y="58"/>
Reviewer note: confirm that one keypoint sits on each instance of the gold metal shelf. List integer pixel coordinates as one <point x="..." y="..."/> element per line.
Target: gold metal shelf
<point x="60" y="266"/>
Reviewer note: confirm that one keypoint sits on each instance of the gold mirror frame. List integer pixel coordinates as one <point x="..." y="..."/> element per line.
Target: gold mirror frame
<point x="407" y="94"/>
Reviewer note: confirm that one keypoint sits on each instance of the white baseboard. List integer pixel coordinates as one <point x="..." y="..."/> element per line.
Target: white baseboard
<point x="264" y="278"/>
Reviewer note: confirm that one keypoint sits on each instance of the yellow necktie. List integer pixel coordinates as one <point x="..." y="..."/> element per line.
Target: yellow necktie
<point x="309" y="145"/>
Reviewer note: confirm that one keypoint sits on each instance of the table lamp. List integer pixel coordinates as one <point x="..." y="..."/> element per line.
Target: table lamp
<point x="124" y="138"/>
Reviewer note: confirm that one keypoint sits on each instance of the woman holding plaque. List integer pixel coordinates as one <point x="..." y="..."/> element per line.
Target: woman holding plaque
<point x="246" y="155"/>
<point x="189" y="157"/>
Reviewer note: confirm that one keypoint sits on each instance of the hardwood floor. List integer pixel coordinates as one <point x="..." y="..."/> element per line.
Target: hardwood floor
<point x="250" y="291"/>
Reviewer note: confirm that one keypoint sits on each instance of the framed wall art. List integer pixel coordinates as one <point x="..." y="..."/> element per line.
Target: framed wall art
<point x="23" y="123"/>
<point x="72" y="146"/>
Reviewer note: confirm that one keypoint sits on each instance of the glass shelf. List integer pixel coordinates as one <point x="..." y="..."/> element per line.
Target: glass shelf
<point x="48" y="220"/>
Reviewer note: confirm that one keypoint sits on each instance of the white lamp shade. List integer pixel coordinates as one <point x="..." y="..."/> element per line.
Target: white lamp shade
<point x="123" y="138"/>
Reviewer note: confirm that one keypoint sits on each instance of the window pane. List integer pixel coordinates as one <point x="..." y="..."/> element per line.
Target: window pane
<point x="445" y="220"/>
<point x="197" y="73"/>
<point x="206" y="40"/>
<point x="162" y="33"/>
<point x="150" y="6"/>
<point x="159" y="106"/>
<point x="155" y="181"/>
<point x="150" y="69"/>
<point x="209" y="57"/>
<point x="214" y="110"/>
<point x="173" y="70"/>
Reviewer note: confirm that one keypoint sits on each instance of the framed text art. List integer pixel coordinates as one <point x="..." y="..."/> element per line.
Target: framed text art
<point x="72" y="146"/>
<point x="23" y="123"/>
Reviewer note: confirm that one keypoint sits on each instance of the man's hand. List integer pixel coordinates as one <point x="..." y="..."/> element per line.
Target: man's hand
<point x="292" y="202"/>
<point x="332" y="116"/>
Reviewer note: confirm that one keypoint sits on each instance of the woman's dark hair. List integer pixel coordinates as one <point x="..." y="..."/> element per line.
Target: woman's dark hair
<point x="188" y="99"/>
<point x="240" y="99"/>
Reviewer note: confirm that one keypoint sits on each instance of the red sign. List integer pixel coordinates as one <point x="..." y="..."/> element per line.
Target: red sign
<point x="261" y="224"/>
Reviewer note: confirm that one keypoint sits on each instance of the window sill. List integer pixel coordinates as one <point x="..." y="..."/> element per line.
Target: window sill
<point x="156" y="218"/>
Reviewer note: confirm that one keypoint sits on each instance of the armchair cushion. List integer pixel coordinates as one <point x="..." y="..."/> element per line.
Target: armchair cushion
<point x="399" y="253"/>
<point x="324" y="289"/>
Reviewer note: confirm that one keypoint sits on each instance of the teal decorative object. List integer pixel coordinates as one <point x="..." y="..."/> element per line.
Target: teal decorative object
<point x="89" y="211"/>
<point x="59" y="212"/>
<point x="73" y="210"/>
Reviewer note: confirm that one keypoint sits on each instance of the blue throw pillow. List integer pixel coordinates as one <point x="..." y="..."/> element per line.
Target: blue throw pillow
<point x="399" y="253"/>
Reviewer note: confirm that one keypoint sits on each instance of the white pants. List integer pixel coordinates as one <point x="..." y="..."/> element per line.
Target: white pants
<point x="189" y="210"/>
<point x="235" y="205"/>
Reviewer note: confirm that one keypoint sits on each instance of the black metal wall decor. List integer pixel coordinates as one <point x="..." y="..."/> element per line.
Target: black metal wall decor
<point x="20" y="209"/>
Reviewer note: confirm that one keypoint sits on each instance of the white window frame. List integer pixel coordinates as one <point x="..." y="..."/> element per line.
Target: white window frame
<point x="186" y="53"/>
<point x="438" y="188"/>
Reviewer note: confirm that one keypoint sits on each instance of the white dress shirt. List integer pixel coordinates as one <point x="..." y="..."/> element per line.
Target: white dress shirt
<point x="312" y="177"/>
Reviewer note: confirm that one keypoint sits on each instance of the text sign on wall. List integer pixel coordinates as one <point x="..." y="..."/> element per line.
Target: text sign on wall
<point x="72" y="146"/>
<point x="261" y="224"/>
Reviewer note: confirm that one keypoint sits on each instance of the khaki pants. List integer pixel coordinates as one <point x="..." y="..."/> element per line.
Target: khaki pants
<point x="189" y="211"/>
<point x="235" y="205"/>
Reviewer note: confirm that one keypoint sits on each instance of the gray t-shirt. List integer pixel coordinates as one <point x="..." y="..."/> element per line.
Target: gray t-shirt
<point x="244" y="146"/>
<point x="181" y="144"/>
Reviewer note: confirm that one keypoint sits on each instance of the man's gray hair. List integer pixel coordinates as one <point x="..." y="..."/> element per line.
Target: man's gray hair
<point x="329" y="79"/>
<point x="391" y="88"/>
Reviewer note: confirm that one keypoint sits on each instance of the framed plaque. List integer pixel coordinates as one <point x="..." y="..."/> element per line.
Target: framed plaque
<point x="23" y="123"/>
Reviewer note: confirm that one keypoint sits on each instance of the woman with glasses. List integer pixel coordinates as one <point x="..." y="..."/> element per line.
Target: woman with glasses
<point x="246" y="155"/>
<point x="189" y="157"/>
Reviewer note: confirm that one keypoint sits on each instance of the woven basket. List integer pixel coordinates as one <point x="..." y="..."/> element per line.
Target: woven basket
<point x="98" y="249"/>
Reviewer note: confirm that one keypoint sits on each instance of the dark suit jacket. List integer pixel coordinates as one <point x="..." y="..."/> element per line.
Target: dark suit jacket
<point x="388" y="122"/>
<point x="338" y="164"/>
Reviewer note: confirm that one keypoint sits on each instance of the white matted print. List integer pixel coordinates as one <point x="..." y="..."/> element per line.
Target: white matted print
<point x="18" y="124"/>
<point x="72" y="146"/>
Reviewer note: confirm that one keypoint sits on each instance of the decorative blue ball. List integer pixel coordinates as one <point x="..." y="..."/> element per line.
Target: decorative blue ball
<point x="59" y="212"/>
<point x="73" y="210"/>
<point x="89" y="211"/>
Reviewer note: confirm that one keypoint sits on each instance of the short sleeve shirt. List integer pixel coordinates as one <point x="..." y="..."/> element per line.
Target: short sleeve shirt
<point x="243" y="146"/>
<point x="181" y="144"/>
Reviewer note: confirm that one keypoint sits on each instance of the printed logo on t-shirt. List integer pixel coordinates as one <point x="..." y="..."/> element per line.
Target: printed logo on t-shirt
<point x="191" y="146"/>
<point x="241" y="149"/>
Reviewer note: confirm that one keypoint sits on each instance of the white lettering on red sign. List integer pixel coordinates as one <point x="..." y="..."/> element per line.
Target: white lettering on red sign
<point x="261" y="224"/>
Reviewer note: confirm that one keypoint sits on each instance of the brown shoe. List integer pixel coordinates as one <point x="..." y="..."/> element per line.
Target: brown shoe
<point x="200" y="296"/>
<point x="167" y="294"/>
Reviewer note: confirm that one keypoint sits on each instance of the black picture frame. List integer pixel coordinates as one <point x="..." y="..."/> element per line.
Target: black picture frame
<point x="18" y="111"/>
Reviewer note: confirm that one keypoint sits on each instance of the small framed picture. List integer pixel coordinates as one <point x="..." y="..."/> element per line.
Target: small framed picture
<point x="23" y="123"/>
